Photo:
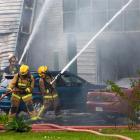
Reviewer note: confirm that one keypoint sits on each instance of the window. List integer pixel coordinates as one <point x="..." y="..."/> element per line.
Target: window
<point x="85" y="22"/>
<point x="69" y="80"/>
<point x="26" y="21"/>
<point x="72" y="51"/>
<point x="132" y="20"/>
<point x="69" y="5"/>
<point x="29" y="3"/>
<point x="99" y="5"/>
<point x="115" y="4"/>
<point x="69" y="22"/>
<point x="84" y="3"/>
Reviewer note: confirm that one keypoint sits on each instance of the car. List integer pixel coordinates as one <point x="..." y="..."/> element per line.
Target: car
<point x="71" y="89"/>
<point x="106" y="102"/>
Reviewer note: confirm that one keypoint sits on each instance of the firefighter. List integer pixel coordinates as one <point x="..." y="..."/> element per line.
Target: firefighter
<point x="13" y="67"/>
<point x="21" y="87"/>
<point x="50" y="96"/>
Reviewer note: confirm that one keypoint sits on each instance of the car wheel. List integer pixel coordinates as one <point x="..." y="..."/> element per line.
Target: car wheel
<point x="37" y="104"/>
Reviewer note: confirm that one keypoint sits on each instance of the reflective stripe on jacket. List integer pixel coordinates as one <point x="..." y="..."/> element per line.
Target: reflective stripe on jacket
<point x="24" y="97"/>
<point x="21" y="83"/>
<point x="51" y="96"/>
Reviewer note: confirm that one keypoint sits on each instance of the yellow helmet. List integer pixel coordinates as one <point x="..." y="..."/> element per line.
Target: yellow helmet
<point x="24" y="69"/>
<point x="46" y="68"/>
<point x="42" y="70"/>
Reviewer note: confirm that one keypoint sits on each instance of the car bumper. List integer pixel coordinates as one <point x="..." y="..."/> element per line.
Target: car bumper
<point x="108" y="108"/>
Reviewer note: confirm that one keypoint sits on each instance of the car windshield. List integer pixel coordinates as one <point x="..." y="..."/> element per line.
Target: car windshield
<point x="5" y="81"/>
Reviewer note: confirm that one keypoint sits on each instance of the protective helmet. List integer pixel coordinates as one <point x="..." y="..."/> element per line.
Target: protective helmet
<point x="42" y="70"/>
<point x="46" y="68"/>
<point x="11" y="56"/>
<point x="24" y="69"/>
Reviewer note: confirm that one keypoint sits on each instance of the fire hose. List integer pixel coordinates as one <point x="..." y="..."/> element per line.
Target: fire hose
<point x="66" y="128"/>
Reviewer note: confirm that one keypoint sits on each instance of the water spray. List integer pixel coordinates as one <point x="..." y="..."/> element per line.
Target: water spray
<point x="93" y="38"/>
<point x="46" y="6"/>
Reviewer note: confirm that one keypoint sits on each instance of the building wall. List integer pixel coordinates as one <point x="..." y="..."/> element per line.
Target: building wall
<point x="10" y="13"/>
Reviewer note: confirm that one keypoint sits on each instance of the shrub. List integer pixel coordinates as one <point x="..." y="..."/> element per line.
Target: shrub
<point x="133" y="100"/>
<point x="3" y="118"/>
<point x="18" y="124"/>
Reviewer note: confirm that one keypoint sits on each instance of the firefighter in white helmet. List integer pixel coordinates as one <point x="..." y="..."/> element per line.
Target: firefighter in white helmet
<point x="13" y="66"/>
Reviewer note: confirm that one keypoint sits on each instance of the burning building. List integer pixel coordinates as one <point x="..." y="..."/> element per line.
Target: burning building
<point x="67" y="25"/>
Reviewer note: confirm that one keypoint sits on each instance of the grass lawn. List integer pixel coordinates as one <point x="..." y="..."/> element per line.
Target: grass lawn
<point x="135" y="134"/>
<point x="51" y="136"/>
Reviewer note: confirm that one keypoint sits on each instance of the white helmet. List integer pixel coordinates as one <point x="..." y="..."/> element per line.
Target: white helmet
<point x="11" y="56"/>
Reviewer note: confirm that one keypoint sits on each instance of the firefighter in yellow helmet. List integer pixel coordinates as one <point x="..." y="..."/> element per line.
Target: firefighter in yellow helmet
<point x="21" y="87"/>
<point x="50" y="96"/>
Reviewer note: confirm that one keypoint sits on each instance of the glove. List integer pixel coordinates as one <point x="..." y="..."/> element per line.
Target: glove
<point x="28" y="90"/>
<point x="47" y="91"/>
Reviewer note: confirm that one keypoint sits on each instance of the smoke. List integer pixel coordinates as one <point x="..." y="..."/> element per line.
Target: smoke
<point x="52" y="45"/>
<point x="118" y="48"/>
<point x="48" y="43"/>
<point x="119" y="55"/>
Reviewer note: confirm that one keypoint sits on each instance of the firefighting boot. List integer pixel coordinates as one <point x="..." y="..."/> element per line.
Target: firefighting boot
<point x="39" y="115"/>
